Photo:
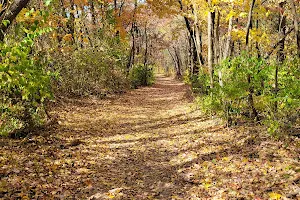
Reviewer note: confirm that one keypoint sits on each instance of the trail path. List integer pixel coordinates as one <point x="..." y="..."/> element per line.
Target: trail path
<point x="147" y="144"/>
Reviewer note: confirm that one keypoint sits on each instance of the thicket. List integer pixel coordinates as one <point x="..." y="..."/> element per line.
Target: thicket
<point x="25" y="82"/>
<point x="50" y="51"/>
<point x="245" y="85"/>
<point x="141" y="75"/>
<point x="93" y="71"/>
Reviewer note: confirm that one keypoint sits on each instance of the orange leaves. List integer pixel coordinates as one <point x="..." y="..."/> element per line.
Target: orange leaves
<point x="85" y="40"/>
<point x="120" y="28"/>
<point x="81" y="2"/>
<point x="68" y="37"/>
<point x="29" y="16"/>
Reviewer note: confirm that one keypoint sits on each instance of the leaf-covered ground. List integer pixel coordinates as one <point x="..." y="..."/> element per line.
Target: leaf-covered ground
<point x="147" y="144"/>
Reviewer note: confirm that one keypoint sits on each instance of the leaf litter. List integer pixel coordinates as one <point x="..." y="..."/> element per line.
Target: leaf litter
<point x="149" y="143"/>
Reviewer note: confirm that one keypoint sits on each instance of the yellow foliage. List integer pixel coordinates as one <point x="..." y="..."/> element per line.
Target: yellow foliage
<point x="231" y="14"/>
<point x="275" y="196"/>
<point x="238" y="34"/>
<point x="29" y="16"/>
<point x="243" y="14"/>
<point x="85" y="40"/>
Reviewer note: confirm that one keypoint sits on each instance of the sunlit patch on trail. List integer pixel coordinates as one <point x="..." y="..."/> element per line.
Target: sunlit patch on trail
<point x="184" y="157"/>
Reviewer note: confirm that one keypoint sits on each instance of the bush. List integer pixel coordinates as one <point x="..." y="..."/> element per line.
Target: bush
<point x="141" y="75"/>
<point x="24" y="85"/>
<point x="230" y="100"/>
<point x="93" y="71"/>
<point x="199" y="83"/>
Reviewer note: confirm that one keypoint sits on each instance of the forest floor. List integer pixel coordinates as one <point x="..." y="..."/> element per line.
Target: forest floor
<point x="148" y="143"/>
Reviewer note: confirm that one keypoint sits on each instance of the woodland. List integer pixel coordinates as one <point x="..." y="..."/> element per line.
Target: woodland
<point x="150" y="99"/>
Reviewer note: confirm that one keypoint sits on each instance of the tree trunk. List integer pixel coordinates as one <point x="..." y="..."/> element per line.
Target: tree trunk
<point x="197" y="37"/>
<point x="179" y="63"/>
<point x="280" y="53"/>
<point x="93" y="12"/>
<point x="249" y="23"/>
<point x="296" y="25"/>
<point x="10" y="15"/>
<point x="71" y="21"/>
<point x="133" y="28"/>
<point x="146" y="47"/>
<point x="217" y="49"/>
<point x="228" y="45"/>
<point x="251" y="89"/>
<point x="256" y="44"/>
<point x="193" y="45"/>
<point x="210" y="29"/>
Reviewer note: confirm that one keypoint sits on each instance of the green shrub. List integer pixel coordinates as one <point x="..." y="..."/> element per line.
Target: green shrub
<point x="24" y="84"/>
<point x="199" y="83"/>
<point x="278" y="110"/>
<point x="93" y="71"/>
<point x="141" y="75"/>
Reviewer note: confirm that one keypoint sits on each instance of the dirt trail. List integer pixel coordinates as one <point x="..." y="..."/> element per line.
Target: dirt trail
<point x="135" y="140"/>
<point x="147" y="144"/>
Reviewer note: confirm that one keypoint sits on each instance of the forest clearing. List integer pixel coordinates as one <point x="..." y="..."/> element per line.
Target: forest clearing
<point x="150" y="99"/>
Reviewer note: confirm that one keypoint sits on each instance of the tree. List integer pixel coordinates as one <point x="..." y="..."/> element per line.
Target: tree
<point x="296" y="25"/>
<point x="210" y="29"/>
<point x="9" y="14"/>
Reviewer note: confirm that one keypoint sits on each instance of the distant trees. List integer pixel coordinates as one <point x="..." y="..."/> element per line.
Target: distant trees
<point x="240" y="68"/>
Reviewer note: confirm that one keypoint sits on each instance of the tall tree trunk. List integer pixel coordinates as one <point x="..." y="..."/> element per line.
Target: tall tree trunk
<point x="192" y="43"/>
<point x="228" y="45"/>
<point x="280" y="53"/>
<point x="210" y="28"/>
<point x="217" y="50"/>
<point x="296" y="25"/>
<point x="131" y="59"/>
<point x="146" y="47"/>
<point x="197" y="40"/>
<point x="116" y="17"/>
<point x="251" y="88"/>
<point x="71" y="21"/>
<point x="200" y="44"/>
<point x="249" y="23"/>
<point x="176" y="62"/>
<point x="132" y="50"/>
<point x="197" y="36"/>
<point x="173" y="58"/>
<point x="256" y="44"/>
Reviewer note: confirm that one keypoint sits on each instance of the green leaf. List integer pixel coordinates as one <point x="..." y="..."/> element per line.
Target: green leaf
<point x="47" y="2"/>
<point x="5" y="22"/>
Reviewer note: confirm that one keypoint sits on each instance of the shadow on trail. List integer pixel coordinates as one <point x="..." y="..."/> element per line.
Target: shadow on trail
<point x="135" y="142"/>
<point x="145" y="143"/>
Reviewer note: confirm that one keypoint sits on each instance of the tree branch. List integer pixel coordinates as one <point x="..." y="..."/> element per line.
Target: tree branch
<point x="276" y="45"/>
<point x="10" y="15"/>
